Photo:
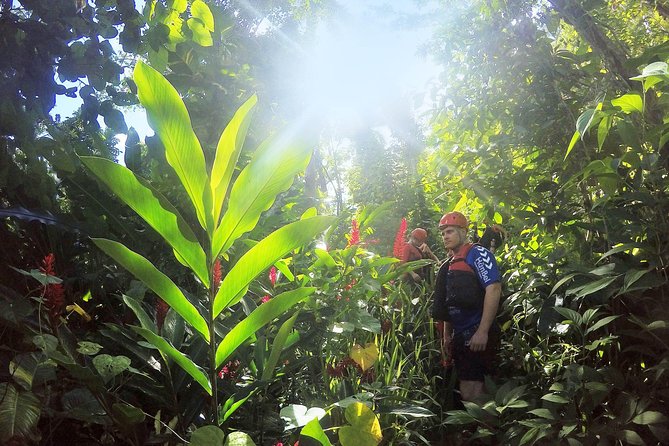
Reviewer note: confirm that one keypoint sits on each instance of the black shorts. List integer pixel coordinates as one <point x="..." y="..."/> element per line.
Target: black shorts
<point x="474" y="366"/>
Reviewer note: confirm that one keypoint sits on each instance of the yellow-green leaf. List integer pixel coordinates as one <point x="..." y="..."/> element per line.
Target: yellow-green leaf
<point x="629" y="103"/>
<point x="258" y="318"/>
<point x="201" y="35"/>
<point x="158" y="282"/>
<point x="263" y="255"/>
<point x="272" y="170"/>
<point x="201" y="11"/>
<point x="227" y="153"/>
<point x="154" y="208"/>
<point x="167" y="115"/>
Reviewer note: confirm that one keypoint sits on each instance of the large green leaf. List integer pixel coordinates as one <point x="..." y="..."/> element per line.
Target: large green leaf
<point x="261" y="316"/>
<point x="184" y="362"/>
<point x="365" y="429"/>
<point x="110" y="366"/>
<point x="264" y="254"/>
<point x="629" y="103"/>
<point x="144" y="320"/>
<point x="277" y="347"/>
<point x="19" y="412"/>
<point x="238" y="439"/>
<point x="314" y="432"/>
<point x="271" y="172"/>
<point x="207" y="436"/>
<point x="200" y="10"/>
<point x="154" y="208"/>
<point x="595" y="286"/>
<point x="158" y="282"/>
<point x="227" y="153"/>
<point x="167" y="115"/>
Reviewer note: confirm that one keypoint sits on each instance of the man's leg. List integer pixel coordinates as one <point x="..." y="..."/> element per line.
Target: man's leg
<point x="471" y="390"/>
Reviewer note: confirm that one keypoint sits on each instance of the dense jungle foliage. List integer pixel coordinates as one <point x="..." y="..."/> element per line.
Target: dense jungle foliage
<point x="231" y="280"/>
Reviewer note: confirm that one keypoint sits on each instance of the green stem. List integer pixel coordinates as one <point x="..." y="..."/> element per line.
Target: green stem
<point x="213" y="375"/>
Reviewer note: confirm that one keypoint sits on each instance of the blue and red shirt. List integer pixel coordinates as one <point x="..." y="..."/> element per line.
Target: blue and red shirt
<point x="460" y="287"/>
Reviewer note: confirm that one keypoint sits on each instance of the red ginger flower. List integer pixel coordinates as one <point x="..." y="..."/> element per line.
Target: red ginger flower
<point x="218" y="275"/>
<point x="54" y="293"/>
<point x="265" y="298"/>
<point x="272" y="275"/>
<point x="229" y="370"/>
<point x="398" y="246"/>
<point x="161" y="311"/>
<point x="354" y="237"/>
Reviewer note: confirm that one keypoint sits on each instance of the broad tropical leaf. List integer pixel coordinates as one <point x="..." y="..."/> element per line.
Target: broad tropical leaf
<point x="19" y="412"/>
<point x="315" y="432"/>
<point x="277" y="347"/>
<point x="154" y="208"/>
<point x="271" y="172"/>
<point x="144" y="320"/>
<point x="184" y="362"/>
<point x="263" y="255"/>
<point x="207" y="436"/>
<point x="227" y="153"/>
<point x="261" y="316"/>
<point x="364" y="430"/>
<point x="167" y="115"/>
<point x="158" y="282"/>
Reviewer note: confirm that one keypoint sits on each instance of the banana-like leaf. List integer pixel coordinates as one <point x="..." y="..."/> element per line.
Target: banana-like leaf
<point x="158" y="282"/>
<point x="154" y="208"/>
<point x="263" y="255"/>
<point x="42" y="216"/>
<point x="277" y="347"/>
<point x="184" y="362"/>
<point x="260" y="317"/>
<point x="227" y="153"/>
<point x="19" y="412"/>
<point x="271" y="172"/>
<point x="167" y="115"/>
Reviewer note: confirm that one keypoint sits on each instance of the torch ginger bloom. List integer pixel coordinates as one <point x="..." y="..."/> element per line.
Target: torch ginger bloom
<point x="398" y="247"/>
<point x="161" y="311"/>
<point x="54" y="293"/>
<point x="354" y="237"/>
<point x="218" y="275"/>
<point x="272" y="275"/>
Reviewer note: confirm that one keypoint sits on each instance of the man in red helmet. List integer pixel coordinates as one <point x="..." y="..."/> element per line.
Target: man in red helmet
<point x="416" y="249"/>
<point x="466" y="299"/>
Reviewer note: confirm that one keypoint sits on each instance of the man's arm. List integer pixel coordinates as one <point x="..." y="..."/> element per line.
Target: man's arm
<point x="427" y="252"/>
<point x="479" y="341"/>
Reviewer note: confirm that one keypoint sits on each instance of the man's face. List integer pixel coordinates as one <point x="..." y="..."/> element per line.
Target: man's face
<point x="451" y="236"/>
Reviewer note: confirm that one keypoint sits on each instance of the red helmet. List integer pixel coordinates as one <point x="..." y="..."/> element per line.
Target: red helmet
<point x="453" y="219"/>
<point x="419" y="234"/>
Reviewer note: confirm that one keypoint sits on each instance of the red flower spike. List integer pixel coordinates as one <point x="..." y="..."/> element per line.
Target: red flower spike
<point x="272" y="275"/>
<point x="218" y="275"/>
<point x="354" y="237"/>
<point x="161" y="311"/>
<point x="54" y="293"/>
<point x="265" y="298"/>
<point x="398" y="246"/>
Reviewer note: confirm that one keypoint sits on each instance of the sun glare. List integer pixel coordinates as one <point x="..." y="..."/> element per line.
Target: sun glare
<point x="356" y="69"/>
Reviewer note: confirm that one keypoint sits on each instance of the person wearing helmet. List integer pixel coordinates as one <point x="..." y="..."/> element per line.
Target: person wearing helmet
<point x="416" y="249"/>
<point x="466" y="299"/>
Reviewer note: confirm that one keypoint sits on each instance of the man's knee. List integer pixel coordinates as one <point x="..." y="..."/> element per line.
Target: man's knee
<point x="470" y="390"/>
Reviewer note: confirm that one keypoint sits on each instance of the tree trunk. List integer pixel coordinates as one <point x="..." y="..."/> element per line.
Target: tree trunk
<point x="612" y="53"/>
